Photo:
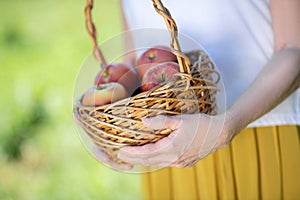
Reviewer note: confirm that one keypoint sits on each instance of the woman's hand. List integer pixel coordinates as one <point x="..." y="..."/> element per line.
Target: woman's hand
<point x="194" y="137"/>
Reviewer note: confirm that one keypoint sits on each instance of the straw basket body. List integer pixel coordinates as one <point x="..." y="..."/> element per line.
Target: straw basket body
<point x="119" y="124"/>
<point x="192" y="90"/>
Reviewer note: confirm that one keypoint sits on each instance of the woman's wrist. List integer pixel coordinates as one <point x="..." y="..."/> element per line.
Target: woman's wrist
<point x="233" y="125"/>
<point x="224" y="127"/>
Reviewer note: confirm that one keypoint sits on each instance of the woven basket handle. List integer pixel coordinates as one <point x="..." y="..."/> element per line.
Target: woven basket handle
<point x="183" y="61"/>
<point x="93" y="33"/>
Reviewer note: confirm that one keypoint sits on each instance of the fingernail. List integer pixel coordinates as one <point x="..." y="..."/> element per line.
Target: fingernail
<point x="146" y="121"/>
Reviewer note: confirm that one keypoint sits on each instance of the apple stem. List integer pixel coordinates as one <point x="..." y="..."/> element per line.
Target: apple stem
<point x="99" y="87"/>
<point x="93" y="33"/>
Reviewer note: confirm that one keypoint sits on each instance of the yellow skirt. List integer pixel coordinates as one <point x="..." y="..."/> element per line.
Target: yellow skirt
<point x="261" y="163"/>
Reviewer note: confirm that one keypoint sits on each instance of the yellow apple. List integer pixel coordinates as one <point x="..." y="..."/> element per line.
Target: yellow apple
<point x="104" y="94"/>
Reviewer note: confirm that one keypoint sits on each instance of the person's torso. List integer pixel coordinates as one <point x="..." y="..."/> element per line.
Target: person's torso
<point x="236" y="34"/>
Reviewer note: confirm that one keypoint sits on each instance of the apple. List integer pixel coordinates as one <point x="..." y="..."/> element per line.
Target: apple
<point x="104" y="94"/>
<point x="118" y="72"/>
<point x="159" y="74"/>
<point x="152" y="56"/>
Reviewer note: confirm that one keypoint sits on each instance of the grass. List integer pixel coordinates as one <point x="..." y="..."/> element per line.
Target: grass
<point x="42" y="46"/>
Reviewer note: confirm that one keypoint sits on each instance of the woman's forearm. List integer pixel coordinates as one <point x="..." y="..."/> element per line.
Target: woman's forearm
<point x="278" y="79"/>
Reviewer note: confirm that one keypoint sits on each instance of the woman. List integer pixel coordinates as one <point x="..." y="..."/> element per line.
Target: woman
<point x="258" y="41"/>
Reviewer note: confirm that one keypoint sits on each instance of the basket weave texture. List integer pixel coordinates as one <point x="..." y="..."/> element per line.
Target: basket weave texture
<point x="115" y="125"/>
<point x="119" y="124"/>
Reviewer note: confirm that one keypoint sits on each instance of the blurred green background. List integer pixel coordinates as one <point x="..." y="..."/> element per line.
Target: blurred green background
<point x="42" y="46"/>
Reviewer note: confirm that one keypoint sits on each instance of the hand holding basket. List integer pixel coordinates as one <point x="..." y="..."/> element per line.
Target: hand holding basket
<point x="192" y="90"/>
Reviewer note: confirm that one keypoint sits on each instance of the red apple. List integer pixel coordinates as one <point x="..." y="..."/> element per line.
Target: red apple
<point x="158" y="74"/>
<point x="104" y="94"/>
<point x="152" y="56"/>
<point x="118" y="72"/>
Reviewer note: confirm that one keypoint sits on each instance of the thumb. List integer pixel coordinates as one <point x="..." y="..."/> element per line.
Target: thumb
<point x="162" y="122"/>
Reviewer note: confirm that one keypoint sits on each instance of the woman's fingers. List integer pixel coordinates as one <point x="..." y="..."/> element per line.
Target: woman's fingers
<point x="194" y="137"/>
<point x="184" y="163"/>
<point x="159" y="154"/>
<point x="162" y="122"/>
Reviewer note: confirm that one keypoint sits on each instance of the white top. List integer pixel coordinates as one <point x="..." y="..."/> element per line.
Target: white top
<point x="237" y="34"/>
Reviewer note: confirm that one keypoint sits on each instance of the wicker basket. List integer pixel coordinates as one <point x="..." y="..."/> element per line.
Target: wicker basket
<point x="193" y="90"/>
